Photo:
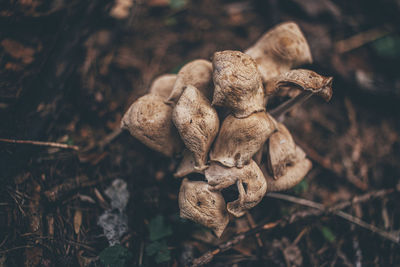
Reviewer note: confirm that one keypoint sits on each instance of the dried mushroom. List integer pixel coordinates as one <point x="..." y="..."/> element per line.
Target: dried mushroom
<point x="149" y="119"/>
<point x="237" y="83"/>
<point x="197" y="73"/>
<point x="293" y="173"/>
<point x="163" y="85"/>
<point x="187" y="165"/>
<point x="199" y="204"/>
<point x="281" y="151"/>
<point x="197" y="123"/>
<point x="239" y="139"/>
<point x="293" y="82"/>
<point x="280" y="49"/>
<point x="178" y="109"/>
<point x="250" y="182"/>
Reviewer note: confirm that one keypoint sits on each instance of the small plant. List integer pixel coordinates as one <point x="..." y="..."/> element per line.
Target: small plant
<point x="178" y="118"/>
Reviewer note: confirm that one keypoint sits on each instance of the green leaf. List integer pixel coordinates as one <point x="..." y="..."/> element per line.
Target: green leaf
<point x="177" y="4"/>
<point x="171" y="21"/>
<point x="115" y="256"/>
<point x="388" y="46"/>
<point x="158" y="229"/>
<point x="163" y="256"/>
<point x="328" y="234"/>
<point x="159" y="249"/>
<point x="301" y="187"/>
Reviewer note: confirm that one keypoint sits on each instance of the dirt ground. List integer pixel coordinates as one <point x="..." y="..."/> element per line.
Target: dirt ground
<point x="70" y="69"/>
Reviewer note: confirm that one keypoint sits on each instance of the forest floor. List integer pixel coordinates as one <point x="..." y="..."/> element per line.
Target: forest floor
<point x="70" y="69"/>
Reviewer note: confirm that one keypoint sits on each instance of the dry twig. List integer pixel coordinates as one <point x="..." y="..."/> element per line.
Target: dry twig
<point x="39" y="143"/>
<point x="297" y="216"/>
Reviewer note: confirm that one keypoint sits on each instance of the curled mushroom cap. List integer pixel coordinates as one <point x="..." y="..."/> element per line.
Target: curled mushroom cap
<point x="237" y="83"/>
<point x="249" y="179"/>
<point x="163" y="85"/>
<point x="300" y="80"/>
<point x="293" y="174"/>
<point x="281" y="151"/>
<point x="197" y="123"/>
<point x="187" y="165"/>
<point x="149" y="119"/>
<point x="199" y="204"/>
<point x="239" y="139"/>
<point x="280" y="49"/>
<point x="197" y="73"/>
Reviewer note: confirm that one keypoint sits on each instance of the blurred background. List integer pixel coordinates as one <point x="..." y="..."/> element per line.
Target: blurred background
<point x="69" y="70"/>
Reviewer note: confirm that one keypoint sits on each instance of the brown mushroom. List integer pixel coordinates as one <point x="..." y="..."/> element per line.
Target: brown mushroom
<point x="280" y="49"/>
<point x="197" y="73"/>
<point x="219" y="177"/>
<point x="250" y="182"/>
<point x="295" y="81"/>
<point x="201" y="205"/>
<point x="187" y="165"/>
<point x="293" y="174"/>
<point x="281" y="151"/>
<point x="237" y="83"/>
<point x="149" y="119"/>
<point x="197" y="123"/>
<point x="163" y="85"/>
<point x="239" y="139"/>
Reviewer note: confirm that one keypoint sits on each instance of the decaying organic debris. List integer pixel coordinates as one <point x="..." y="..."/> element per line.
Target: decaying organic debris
<point x="241" y="84"/>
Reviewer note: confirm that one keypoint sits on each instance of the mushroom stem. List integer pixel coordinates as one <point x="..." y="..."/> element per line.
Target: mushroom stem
<point x="290" y="104"/>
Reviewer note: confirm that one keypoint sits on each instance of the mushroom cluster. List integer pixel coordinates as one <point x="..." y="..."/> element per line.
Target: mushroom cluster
<point x="213" y="116"/>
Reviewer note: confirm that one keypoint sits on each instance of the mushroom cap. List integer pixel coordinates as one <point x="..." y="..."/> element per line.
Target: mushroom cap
<point x="187" y="165"/>
<point x="293" y="175"/>
<point x="163" y="85"/>
<point x="149" y="120"/>
<point x="197" y="73"/>
<point x="197" y="123"/>
<point x="251" y="176"/>
<point x="201" y="205"/>
<point x="219" y="177"/>
<point x="281" y="151"/>
<point x="239" y="139"/>
<point x="237" y="83"/>
<point x="301" y="80"/>
<point x="280" y="49"/>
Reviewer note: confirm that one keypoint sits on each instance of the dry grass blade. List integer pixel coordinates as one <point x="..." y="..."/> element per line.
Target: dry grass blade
<point x="297" y="216"/>
<point x="39" y="143"/>
<point x="344" y="215"/>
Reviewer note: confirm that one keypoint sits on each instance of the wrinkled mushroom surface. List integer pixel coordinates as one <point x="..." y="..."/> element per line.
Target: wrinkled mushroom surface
<point x="293" y="174"/>
<point x="197" y="123"/>
<point x="280" y="49"/>
<point x="163" y="85"/>
<point x="199" y="204"/>
<point x="249" y="179"/>
<point x="281" y="151"/>
<point x="149" y="119"/>
<point x="187" y="165"/>
<point x="300" y="80"/>
<point x="237" y="83"/>
<point x="239" y="139"/>
<point x="197" y="73"/>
